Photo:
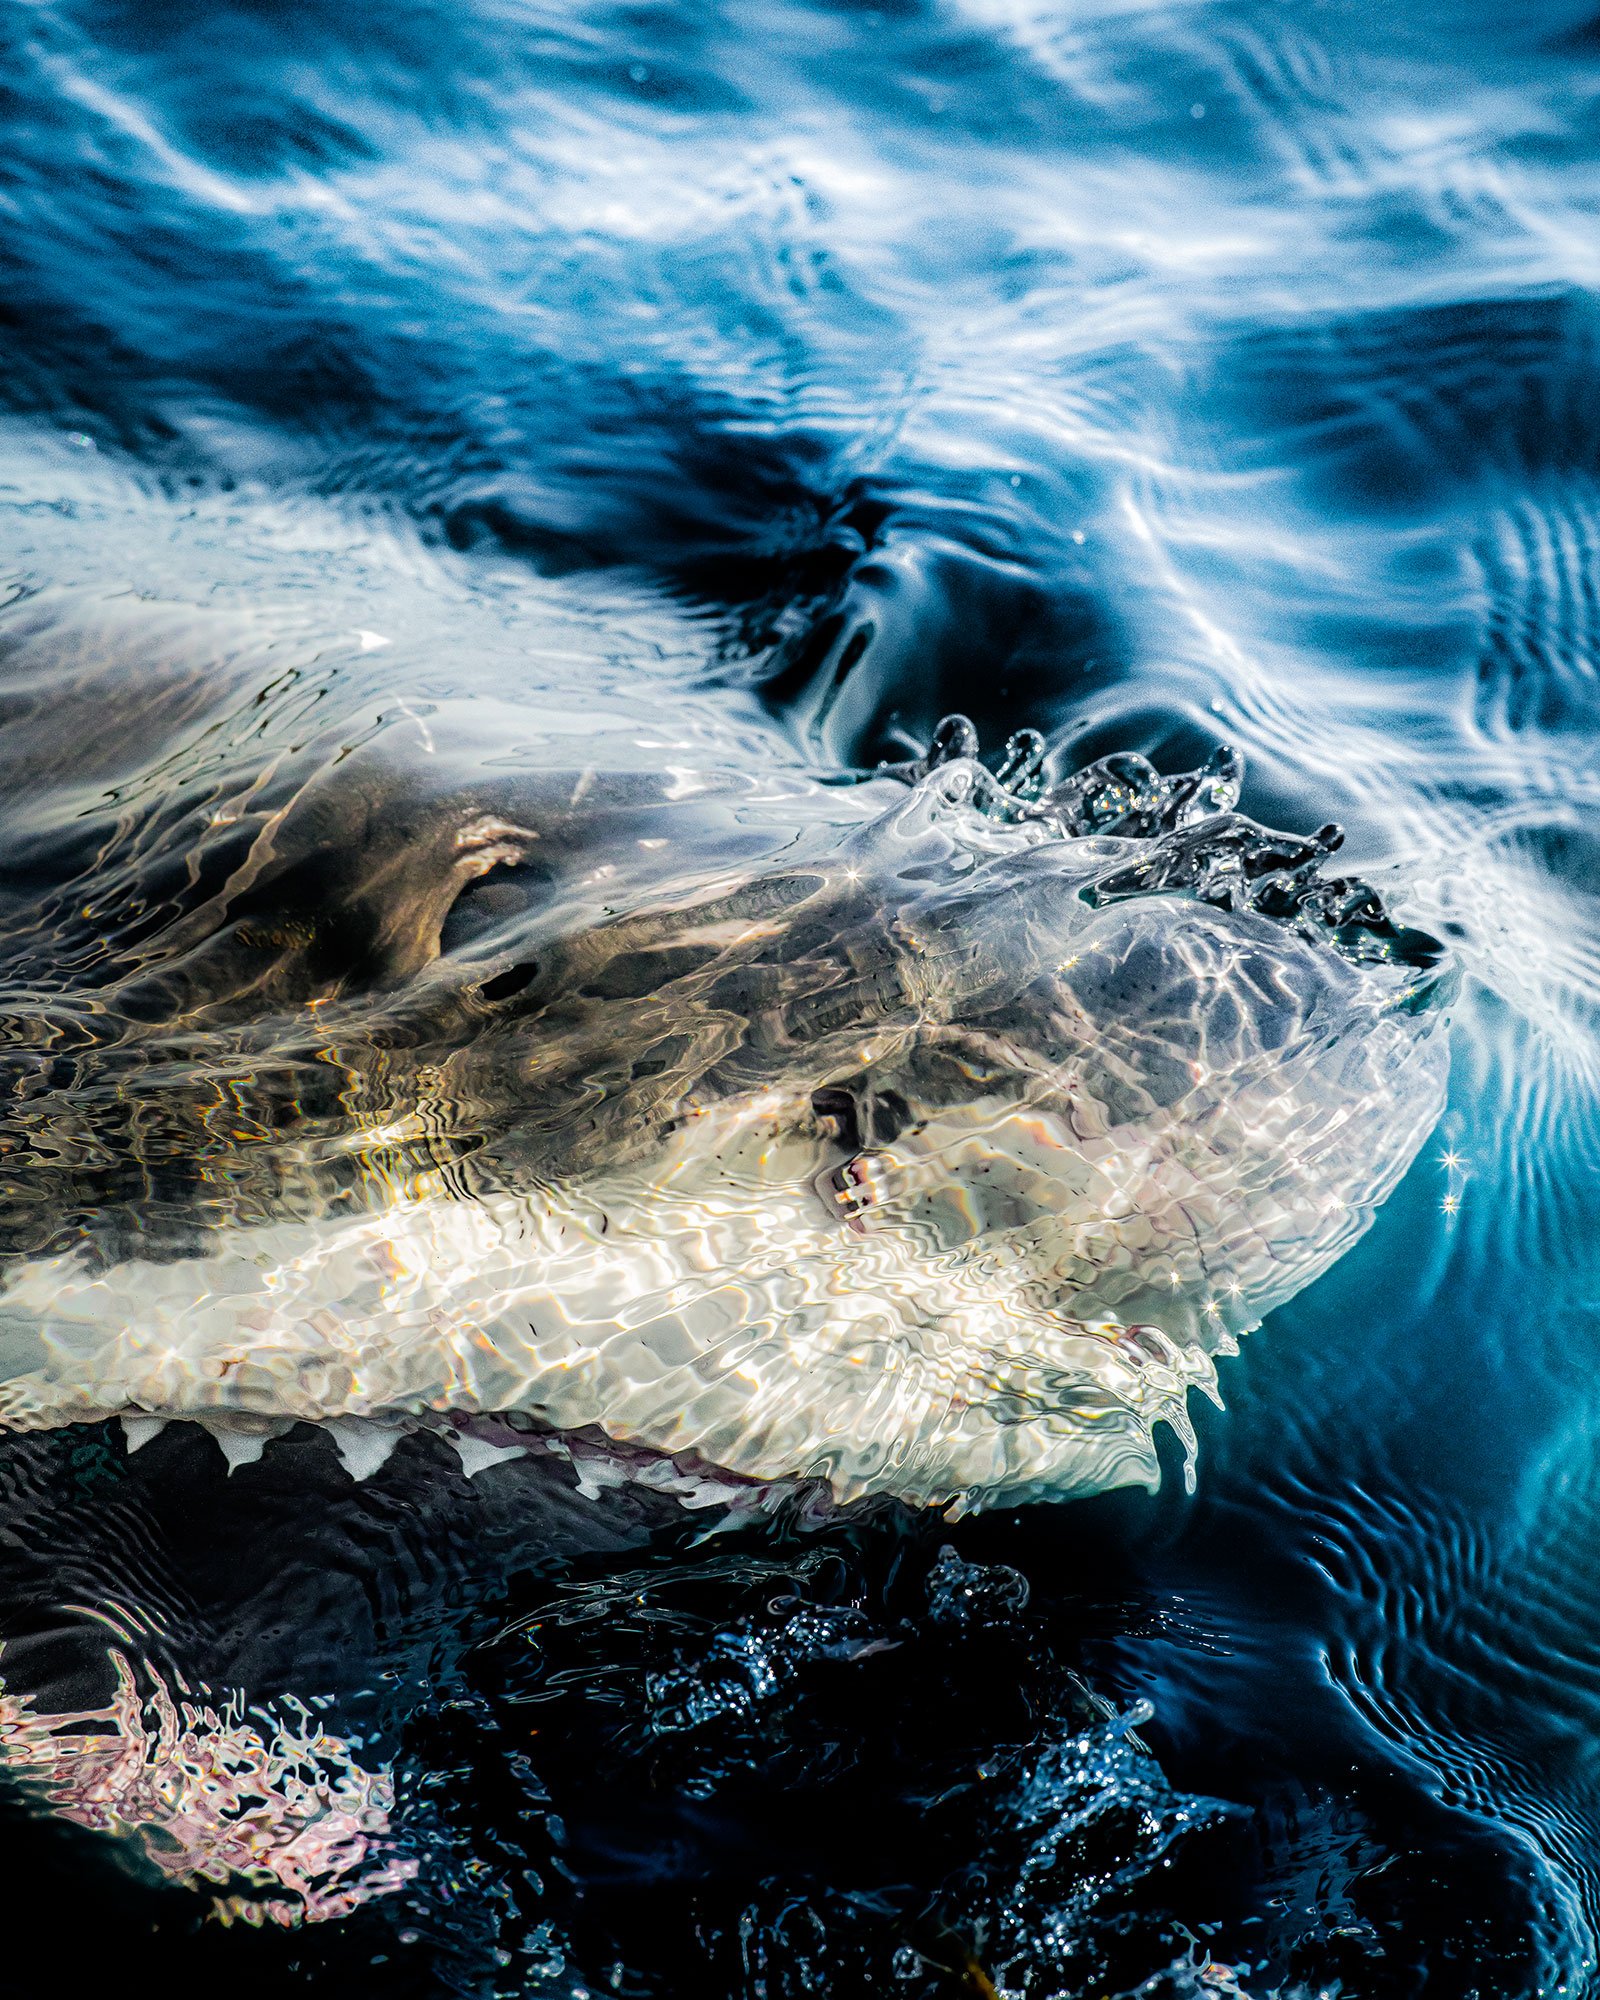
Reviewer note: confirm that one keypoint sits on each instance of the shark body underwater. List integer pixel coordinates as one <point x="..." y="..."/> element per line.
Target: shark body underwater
<point x="412" y="1092"/>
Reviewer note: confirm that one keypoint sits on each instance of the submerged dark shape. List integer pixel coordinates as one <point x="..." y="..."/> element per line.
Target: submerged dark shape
<point x="597" y="1661"/>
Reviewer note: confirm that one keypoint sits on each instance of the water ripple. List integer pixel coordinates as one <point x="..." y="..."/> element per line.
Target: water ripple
<point x="1154" y="376"/>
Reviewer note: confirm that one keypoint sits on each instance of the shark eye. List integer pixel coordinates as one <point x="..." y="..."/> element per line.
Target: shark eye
<point x="514" y="980"/>
<point x="501" y="896"/>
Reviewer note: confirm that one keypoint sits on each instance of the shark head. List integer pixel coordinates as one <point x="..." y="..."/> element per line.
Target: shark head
<point x="940" y="1156"/>
<point x="953" y="1161"/>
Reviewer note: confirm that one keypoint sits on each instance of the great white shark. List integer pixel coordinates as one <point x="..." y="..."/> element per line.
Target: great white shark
<point x="562" y="1081"/>
<point x="930" y="1135"/>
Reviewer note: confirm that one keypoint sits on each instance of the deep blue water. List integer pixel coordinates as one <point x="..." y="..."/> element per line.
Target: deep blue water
<point x="1155" y="375"/>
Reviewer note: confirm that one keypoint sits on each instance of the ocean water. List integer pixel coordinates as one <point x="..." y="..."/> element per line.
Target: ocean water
<point x="1154" y="376"/>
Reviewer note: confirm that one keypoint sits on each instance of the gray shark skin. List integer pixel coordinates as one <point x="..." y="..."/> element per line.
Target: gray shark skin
<point x="405" y="1062"/>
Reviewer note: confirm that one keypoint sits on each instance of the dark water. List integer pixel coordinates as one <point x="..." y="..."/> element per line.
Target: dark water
<point x="1158" y="377"/>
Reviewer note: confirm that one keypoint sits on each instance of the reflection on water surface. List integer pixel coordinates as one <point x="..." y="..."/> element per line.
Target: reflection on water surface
<point x="762" y="384"/>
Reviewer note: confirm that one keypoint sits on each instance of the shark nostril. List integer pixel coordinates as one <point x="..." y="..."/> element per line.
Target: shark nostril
<point x="849" y="1191"/>
<point x="863" y="1122"/>
<point x="836" y="1108"/>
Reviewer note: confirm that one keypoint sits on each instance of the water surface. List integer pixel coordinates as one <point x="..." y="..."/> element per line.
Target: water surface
<point x="1157" y="376"/>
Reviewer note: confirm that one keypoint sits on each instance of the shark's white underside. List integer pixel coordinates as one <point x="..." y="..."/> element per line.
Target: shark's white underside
<point x="1022" y="1292"/>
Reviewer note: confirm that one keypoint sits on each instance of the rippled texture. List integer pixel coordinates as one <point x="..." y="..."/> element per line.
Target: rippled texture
<point x="1157" y="378"/>
<point x="939" y="1161"/>
<point x="213" y="1798"/>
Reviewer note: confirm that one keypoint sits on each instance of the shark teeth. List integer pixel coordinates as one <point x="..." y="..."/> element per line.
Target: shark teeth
<point x="238" y="1447"/>
<point x="240" y="1444"/>
<point x="139" y="1430"/>
<point x="364" y="1446"/>
<point x="477" y="1455"/>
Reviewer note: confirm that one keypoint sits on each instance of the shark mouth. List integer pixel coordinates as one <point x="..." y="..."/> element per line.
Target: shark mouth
<point x="127" y="1714"/>
<point x="596" y="1463"/>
